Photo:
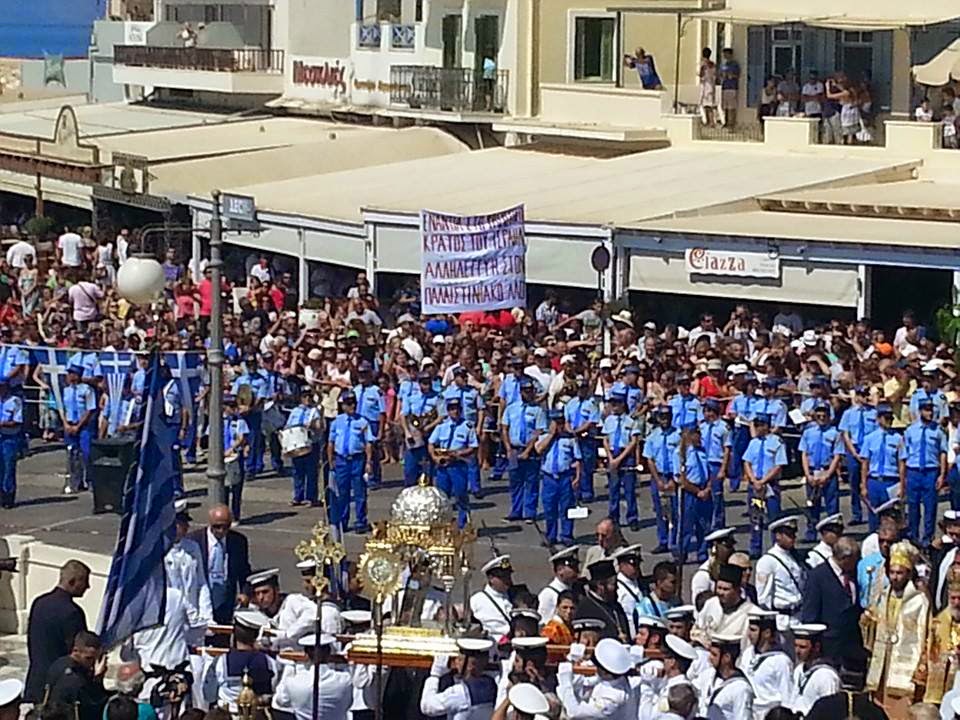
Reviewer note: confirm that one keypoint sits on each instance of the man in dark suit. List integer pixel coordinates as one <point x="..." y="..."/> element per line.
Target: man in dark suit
<point x="831" y="597"/>
<point x="599" y="602"/>
<point x="55" y="619"/>
<point x="226" y="562"/>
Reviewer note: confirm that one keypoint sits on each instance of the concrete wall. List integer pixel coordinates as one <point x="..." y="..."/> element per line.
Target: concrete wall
<point x="38" y="571"/>
<point x="313" y="27"/>
<point x="106" y="34"/>
<point x="76" y="73"/>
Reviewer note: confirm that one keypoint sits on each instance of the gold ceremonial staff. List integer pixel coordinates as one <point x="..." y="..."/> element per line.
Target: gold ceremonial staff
<point x="326" y="551"/>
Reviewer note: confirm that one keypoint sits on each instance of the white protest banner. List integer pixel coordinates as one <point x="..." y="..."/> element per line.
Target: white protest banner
<point x="471" y="263"/>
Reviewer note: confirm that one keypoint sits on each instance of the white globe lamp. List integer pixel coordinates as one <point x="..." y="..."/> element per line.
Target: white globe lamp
<point x="140" y="280"/>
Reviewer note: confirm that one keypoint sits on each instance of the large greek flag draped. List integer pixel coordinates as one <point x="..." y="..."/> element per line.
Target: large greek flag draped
<point x="136" y="587"/>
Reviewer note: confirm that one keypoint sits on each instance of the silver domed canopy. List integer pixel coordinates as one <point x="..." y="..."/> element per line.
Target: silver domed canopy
<point x="421" y="504"/>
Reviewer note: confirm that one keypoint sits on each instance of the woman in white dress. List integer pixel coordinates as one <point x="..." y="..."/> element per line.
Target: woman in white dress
<point x="708" y="88"/>
<point x="105" y="260"/>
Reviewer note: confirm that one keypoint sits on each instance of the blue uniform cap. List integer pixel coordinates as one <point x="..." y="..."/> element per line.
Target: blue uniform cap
<point x="348" y="397"/>
<point x="821" y="406"/>
<point x="75" y="369"/>
<point x="819" y="381"/>
<point x="229" y="399"/>
<point x="460" y="370"/>
<point x="860" y="389"/>
<point x="664" y="410"/>
<point x="364" y="366"/>
<point x="749" y="377"/>
<point x="515" y="361"/>
<point x="763" y="418"/>
<point x="555" y="414"/>
<point x="884" y="409"/>
<point x="683" y="378"/>
<point x="925" y="403"/>
<point x="690" y="426"/>
<point x="526" y="383"/>
<point x="712" y="404"/>
<point x="424" y="376"/>
<point x="631" y="369"/>
<point x="453" y="402"/>
<point x="616" y="397"/>
<point x="769" y="382"/>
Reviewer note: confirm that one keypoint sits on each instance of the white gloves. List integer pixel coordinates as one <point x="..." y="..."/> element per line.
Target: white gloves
<point x="440" y="666"/>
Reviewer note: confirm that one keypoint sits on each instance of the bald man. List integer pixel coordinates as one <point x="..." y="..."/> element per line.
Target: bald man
<point x="609" y="540"/>
<point x="55" y="619"/>
<point x="227" y="561"/>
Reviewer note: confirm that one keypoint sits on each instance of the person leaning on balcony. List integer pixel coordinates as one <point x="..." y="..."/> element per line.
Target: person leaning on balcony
<point x="646" y="68"/>
<point x="489" y="77"/>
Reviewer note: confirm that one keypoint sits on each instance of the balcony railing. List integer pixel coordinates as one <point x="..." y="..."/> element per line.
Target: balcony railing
<point x="368" y="36"/>
<point x="403" y="37"/>
<point x="448" y="89"/>
<point x="234" y="60"/>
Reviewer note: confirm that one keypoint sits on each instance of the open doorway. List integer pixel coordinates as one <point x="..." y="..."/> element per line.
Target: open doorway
<point x="486" y="29"/>
<point x="895" y="289"/>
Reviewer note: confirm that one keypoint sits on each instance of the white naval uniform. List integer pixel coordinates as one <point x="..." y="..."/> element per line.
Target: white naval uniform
<point x="812" y="684"/>
<point x="547" y="600"/>
<point x="294" y="692"/>
<point x="364" y="692"/>
<point x="653" y="694"/>
<point x="701" y="581"/>
<point x="454" y="703"/>
<point x="780" y="581"/>
<point x="730" y="699"/>
<point x="712" y="620"/>
<point x="165" y="646"/>
<point x="185" y="572"/>
<point x="492" y="610"/>
<point x="699" y="666"/>
<point x="770" y="674"/>
<point x="296" y="618"/>
<point x="819" y="554"/>
<point x="608" y="699"/>
<point x="330" y="622"/>
<point x="228" y="687"/>
<point x="629" y="596"/>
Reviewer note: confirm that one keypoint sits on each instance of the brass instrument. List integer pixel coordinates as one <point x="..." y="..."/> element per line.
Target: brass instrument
<point x="419" y="423"/>
<point x="868" y="618"/>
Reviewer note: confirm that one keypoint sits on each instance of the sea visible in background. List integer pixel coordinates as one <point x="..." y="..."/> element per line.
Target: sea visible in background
<point x="33" y="40"/>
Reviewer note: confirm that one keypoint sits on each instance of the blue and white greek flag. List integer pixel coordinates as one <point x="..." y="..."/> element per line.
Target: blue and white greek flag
<point x="136" y="587"/>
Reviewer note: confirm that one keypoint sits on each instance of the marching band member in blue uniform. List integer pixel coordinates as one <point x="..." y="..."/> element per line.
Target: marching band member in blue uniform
<point x="522" y="424"/>
<point x="770" y="404"/>
<point x="685" y="406"/>
<point x="660" y="449"/>
<point x="820" y="454"/>
<point x="929" y="390"/>
<point x="452" y="443"/>
<point x="692" y="462"/>
<point x="857" y="421"/>
<point x="879" y="470"/>
<point x="560" y="469"/>
<point x="373" y="406"/>
<point x="620" y="437"/>
<point x="77" y="415"/>
<point x="923" y="472"/>
<point x="350" y="454"/>
<point x="743" y="408"/>
<point x="628" y="385"/>
<point x="11" y="427"/>
<point x="763" y="463"/>
<point x="819" y="393"/>
<point x="306" y="415"/>
<point x="236" y="434"/>
<point x="471" y="410"/>
<point x="582" y="414"/>
<point x="716" y="437"/>
<point x="253" y="415"/>
<point x="421" y="405"/>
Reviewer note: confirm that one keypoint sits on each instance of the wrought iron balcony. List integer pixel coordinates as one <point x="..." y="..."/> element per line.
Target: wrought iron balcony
<point x="403" y="37"/>
<point x="368" y="36"/>
<point x="231" y="60"/>
<point x="449" y="89"/>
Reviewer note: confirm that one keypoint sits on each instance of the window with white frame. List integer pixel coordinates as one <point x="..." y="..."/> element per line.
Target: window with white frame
<point x="594" y="48"/>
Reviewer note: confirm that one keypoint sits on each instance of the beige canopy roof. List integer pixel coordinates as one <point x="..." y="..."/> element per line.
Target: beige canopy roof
<point x="943" y="68"/>
<point x="840" y="14"/>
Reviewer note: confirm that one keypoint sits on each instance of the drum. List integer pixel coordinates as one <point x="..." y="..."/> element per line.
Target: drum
<point x="296" y="441"/>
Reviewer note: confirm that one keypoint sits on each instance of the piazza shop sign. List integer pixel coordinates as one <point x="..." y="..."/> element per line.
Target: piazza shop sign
<point x="703" y="261"/>
<point x="319" y="79"/>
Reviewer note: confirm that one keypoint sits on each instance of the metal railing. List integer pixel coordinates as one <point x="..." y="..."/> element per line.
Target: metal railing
<point x="450" y="89"/>
<point x="403" y="37"/>
<point x="245" y="60"/>
<point x="368" y="36"/>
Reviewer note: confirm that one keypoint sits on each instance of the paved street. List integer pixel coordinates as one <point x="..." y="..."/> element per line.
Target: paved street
<point x="274" y="528"/>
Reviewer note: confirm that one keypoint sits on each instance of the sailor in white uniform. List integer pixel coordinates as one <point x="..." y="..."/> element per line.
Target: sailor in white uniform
<point x="629" y="593"/>
<point x="527" y="702"/>
<point x="291" y="616"/>
<point x="891" y="509"/>
<point x="356" y="622"/>
<point x="566" y="570"/>
<point x="722" y="544"/>
<point x="813" y="677"/>
<point x="767" y="666"/>
<point x="611" y="697"/>
<point x="467" y="694"/>
<point x="781" y="576"/>
<point x="294" y="693"/>
<point x="185" y="572"/>
<point x="679" y="621"/>
<point x="729" y="694"/>
<point x="491" y="606"/>
<point x="678" y="657"/>
<point x="244" y="657"/>
<point x="831" y="530"/>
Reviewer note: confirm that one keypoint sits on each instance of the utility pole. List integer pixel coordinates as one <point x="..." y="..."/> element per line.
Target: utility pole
<point x="216" y="473"/>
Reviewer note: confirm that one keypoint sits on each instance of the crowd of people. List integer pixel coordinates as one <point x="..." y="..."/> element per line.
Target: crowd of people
<point x="564" y="404"/>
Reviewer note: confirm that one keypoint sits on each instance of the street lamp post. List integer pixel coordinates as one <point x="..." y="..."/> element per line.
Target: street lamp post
<point x="216" y="473"/>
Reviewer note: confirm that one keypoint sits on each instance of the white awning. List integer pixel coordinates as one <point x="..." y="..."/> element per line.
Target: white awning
<point x="943" y="68"/>
<point x="838" y="14"/>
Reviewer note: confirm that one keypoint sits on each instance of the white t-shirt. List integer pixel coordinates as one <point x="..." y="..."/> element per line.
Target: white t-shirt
<point x="70" y="244"/>
<point x="812" y="107"/>
<point x="260" y="273"/>
<point x="84" y="296"/>
<point x="921" y="115"/>
<point x="122" y="245"/>
<point x="19" y="252"/>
